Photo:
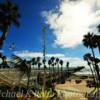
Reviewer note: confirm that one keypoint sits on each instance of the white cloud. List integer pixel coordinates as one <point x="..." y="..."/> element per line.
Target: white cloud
<point x="55" y="55"/>
<point x="73" y="20"/>
<point x="28" y="54"/>
<point x="74" y="61"/>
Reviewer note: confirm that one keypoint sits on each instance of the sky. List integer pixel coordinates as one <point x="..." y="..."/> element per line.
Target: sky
<point x="67" y="21"/>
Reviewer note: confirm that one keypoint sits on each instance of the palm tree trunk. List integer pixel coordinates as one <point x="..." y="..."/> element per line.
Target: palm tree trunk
<point x="92" y="73"/>
<point x="61" y="73"/>
<point x="92" y="62"/>
<point x="53" y="72"/>
<point x="99" y="47"/>
<point x="67" y="72"/>
<point x="93" y="52"/>
<point x="97" y="70"/>
<point x="58" y="69"/>
<point x="49" y="71"/>
<point x="94" y="65"/>
<point x="61" y="69"/>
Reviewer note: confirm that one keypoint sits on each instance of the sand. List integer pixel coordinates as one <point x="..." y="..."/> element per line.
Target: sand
<point x="73" y="91"/>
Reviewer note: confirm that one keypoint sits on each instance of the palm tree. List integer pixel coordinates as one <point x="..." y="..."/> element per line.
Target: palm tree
<point x="44" y="63"/>
<point x="89" y="43"/>
<point x="23" y="66"/>
<point x="57" y="63"/>
<point x="52" y="59"/>
<point x="96" y="62"/>
<point x="38" y="59"/>
<point x="38" y="63"/>
<point x="87" y="58"/>
<point x="39" y="74"/>
<point x="8" y="14"/>
<point x="33" y="62"/>
<point x="61" y="63"/>
<point x="52" y="63"/>
<point x="62" y="74"/>
<point x="67" y="67"/>
<point x="49" y="63"/>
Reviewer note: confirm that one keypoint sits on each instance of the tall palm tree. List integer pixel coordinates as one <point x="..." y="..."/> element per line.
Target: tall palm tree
<point x="33" y="62"/>
<point x="38" y="63"/>
<point x="44" y="63"/>
<point x="87" y="58"/>
<point x="57" y="61"/>
<point x="61" y="63"/>
<point x="67" y="67"/>
<point x="39" y="74"/>
<point x="49" y="63"/>
<point x="62" y="78"/>
<point x="38" y="59"/>
<point x="89" y="43"/>
<point x="57" y="74"/>
<point x="52" y="61"/>
<point x="8" y="14"/>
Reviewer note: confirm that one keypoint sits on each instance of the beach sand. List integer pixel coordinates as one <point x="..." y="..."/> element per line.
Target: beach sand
<point x="73" y="91"/>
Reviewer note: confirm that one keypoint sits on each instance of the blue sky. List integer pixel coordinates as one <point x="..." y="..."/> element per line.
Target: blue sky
<point x="60" y="38"/>
<point x="28" y="36"/>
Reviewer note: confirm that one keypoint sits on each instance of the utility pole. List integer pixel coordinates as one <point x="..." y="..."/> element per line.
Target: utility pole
<point x="44" y="53"/>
